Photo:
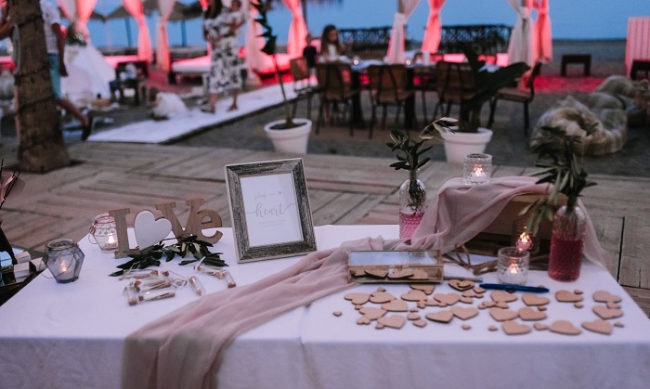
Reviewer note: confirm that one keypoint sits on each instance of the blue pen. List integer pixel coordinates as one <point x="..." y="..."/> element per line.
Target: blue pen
<point x="519" y="288"/>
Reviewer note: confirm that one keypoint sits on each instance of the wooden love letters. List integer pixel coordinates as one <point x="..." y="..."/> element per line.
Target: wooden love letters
<point x="197" y="222"/>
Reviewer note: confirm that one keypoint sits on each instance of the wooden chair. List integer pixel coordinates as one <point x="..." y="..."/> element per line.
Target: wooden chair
<point x="302" y="83"/>
<point x="335" y="85"/>
<point x="454" y="84"/>
<point x="137" y="83"/>
<point x="518" y="95"/>
<point x="389" y="85"/>
<point x="424" y="76"/>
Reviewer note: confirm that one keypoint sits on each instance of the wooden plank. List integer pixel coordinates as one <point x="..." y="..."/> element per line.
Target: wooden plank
<point x="641" y="297"/>
<point x="635" y="267"/>
<point x="360" y="210"/>
<point x="337" y="208"/>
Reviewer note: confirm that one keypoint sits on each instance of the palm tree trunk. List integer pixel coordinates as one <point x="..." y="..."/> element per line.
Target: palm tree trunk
<point x="37" y="120"/>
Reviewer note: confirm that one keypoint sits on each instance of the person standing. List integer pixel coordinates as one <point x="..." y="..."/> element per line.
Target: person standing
<point x="220" y="28"/>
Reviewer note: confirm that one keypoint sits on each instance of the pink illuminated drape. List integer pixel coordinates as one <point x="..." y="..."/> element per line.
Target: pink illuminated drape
<point x="165" y="8"/>
<point x="78" y="12"/>
<point x="297" y="29"/>
<point x="204" y="3"/>
<point x="637" y="45"/>
<point x="136" y="9"/>
<point x="395" y="53"/>
<point x="520" y="48"/>
<point x="254" y="42"/>
<point x="433" y="30"/>
<point x="542" y="37"/>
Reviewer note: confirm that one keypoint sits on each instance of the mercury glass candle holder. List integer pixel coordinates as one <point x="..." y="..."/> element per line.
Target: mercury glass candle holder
<point x="104" y="232"/>
<point x="64" y="259"/>
<point x="512" y="266"/>
<point x="477" y="169"/>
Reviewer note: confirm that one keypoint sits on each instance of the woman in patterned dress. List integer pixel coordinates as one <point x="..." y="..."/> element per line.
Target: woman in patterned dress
<point x="220" y="28"/>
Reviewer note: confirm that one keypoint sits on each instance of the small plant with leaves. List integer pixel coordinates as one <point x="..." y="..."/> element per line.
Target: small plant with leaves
<point x="410" y="157"/>
<point x="151" y="256"/>
<point x="438" y="126"/>
<point x="560" y="169"/>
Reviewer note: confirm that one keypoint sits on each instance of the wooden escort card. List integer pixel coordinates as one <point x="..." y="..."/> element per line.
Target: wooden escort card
<point x="395" y="267"/>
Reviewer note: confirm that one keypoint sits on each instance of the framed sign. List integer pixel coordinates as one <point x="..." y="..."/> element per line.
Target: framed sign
<point x="270" y="211"/>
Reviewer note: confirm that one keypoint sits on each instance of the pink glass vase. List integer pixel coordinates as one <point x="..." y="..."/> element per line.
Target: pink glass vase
<point x="567" y="243"/>
<point x="412" y="200"/>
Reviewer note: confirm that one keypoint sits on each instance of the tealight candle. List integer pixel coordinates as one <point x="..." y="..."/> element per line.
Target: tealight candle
<point x="64" y="259"/>
<point x="104" y="231"/>
<point x="522" y="239"/>
<point x="477" y="169"/>
<point x="512" y="266"/>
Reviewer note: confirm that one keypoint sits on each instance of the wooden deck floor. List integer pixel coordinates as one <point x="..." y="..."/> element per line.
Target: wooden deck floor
<point x="342" y="190"/>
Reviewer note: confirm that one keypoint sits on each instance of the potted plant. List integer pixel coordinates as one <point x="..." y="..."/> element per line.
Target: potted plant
<point x="412" y="193"/>
<point x="465" y="135"/>
<point x="289" y="134"/>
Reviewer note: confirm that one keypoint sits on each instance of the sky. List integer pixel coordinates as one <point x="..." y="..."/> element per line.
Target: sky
<point x="602" y="19"/>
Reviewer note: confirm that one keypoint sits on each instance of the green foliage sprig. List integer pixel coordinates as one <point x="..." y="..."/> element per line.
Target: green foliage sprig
<point x="409" y="157"/>
<point x="151" y="256"/>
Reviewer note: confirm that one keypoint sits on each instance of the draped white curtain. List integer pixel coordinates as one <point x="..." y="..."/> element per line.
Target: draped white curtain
<point x="520" y="48"/>
<point x="78" y="11"/>
<point x="136" y="9"/>
<point x="297" y="29"/>
<point x="395" y="53"/>
<point x="542" y="37"/>
<point x="253" y="43"/>
<point x="165" y="8"/>
<point x="433" y="30"/>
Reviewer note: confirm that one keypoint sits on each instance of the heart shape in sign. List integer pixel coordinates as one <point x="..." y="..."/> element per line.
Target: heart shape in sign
<point x="414" y="295"/>
<point x="565" y="328"/>
<point x="529" y="314"/>
<point x="607" y="313"/>
<point x="565" y="296"/>
<point x="464" y="313"/>
<point x="600" y="326"/>
<point x="149" y="231"/>
<point x="395" y="306"/>
<point x="461" y="285"/>
<point x="426" y="288"/>
<point x="514" y="328"/>
<point x="357" y="298"/>
<point x="603" y="296"/>
<point x="499" y="295"/>
<point x="372" y="313"/>
<point x="440" y="317"/>
<point x="531" y="299"/>
<point x="395" y="321"/>
<point x="500" y="314"/>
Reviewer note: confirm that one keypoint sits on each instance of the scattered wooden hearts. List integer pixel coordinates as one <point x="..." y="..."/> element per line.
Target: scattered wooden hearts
<point x="395" y="321"/>
<point x="421" y="304"/>
<point x="566" y="296"/>
<point x="578" y="291"/>
<point x="578" y="305"/>
<point x="479" y="295"/>
<point x="414" y="310"/>
<point x="337" y="313"/>
<point x="479" y="290"/>
<point x="398" y="274"/>
<point x="358" y="272"/>
<point x="413" y="316"/>
<point x="464" y="313"/>
<point x="466" y="327"/>
<point x="372" y="313"/>
<point x="619" y="324"/>
<point x="529" y="314"/>
<point x="432" y="303"/>
<point x="148" y="230"/>
<point x="513" y="328"/>
<point x="531" y="299"/>
<point x="419" y="274"/>
<point x="447" y="299"/>
<point x="377" y="273"/>
<point x="461" y="285"/>
<point x="426" y="288"/>
<point x="381" y="297"/>
<point x="499" y="295"/>
<point x="540" y="326"/>
<point x="541" y="308"/>
<point x="613" y="305"/>
<point x="486" y="304"/>
<point x="363" y="320"/>
<point x="603" y="296"/>
<point x="381" y="289"/>
<point x="493" y="328"/>
<point x="469" y="293"/>
<point x="414" y="295"/>
<point x="466" y="300"/>
<point x="502" y="304"/>
<point x="607" y="313"/>
<point x="440" y="317"/>
<point x="599" y="326"/>
<point x="500" y="314"/>
<point x="564" y="327"/>
<point x="357" y="298"/>
<point x="395" y="306"/>
<point x="420" y="323"/>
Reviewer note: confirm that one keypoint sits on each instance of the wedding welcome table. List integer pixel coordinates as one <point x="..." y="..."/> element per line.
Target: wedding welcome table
<point x="71" y="335"/>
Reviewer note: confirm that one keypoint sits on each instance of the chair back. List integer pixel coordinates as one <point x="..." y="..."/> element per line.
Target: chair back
<point x="300" y="74"/>
<point x="334" y="78"/>
<point x="530" y="84"/>
<point x="385" y="79"/>
<point x="454" y="82"/>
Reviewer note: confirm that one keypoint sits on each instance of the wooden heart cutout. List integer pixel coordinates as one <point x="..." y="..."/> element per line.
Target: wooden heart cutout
<point x="381" y="297"/>
<point x="363" y="320"/>
<point x="419" y="274"/>
<point x="426" y="288"/>
<point x="479" y="290"/>
<point x="501" y="304"/>
<point x="499" y="295"/>
<point x="395" y="321"/>
<point x="397" y="274"/>
<point x="372" y="313"/>
<point x="395" y="306"/>
<point x="500" y="314"/>
<point x="148" y="230"/>
<point x="466" y="300"/>
<point x="432" y="303"/>
<point x="357" y="298"/>
<point x="440" y="317"/>
<point x="420" y="323"/>
<point x="469" y="293"/>
<point x="540" y="326"/>
<point x="565" y="296"/>
<point x="448" y="299"/>
<point x="461" y="284"/>
<point x="413" y="316"/>
<point x="486" y="304"/>
<point x="377" y="273"/>
<point x="565" y="328"/>
<point x="603" y="296"/>
<point x="464" y="313"/>
<point x="414" y="295"/>
<point x="513" y="328"/>
<point x="529" y="314"/>
<point x="531" y="299"/>
<point x="607" y="313"/>
<point x="613" y="305"/>
<point x="599" y="326"/>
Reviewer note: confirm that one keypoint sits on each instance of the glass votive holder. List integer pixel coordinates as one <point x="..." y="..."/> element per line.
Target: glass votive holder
<point x="477" y="169"/>
<point x="521" y="238"/>
<point x="64" y="259"/>
<point x="104" y="232"/>
<point x="512" y="266"/>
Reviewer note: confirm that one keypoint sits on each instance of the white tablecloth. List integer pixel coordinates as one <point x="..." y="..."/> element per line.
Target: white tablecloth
<point x="71" y="336"/>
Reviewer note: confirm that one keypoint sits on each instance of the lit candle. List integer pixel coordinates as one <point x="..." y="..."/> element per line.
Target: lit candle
<point x="478" y="175"/>
<point x="111" y="242"/>
<point x="477" y="169"/>
<point x="512" y="266"/>
<point x="524" y="242"/>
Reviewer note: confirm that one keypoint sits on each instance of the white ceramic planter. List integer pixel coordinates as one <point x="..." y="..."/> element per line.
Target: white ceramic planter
<point x="458" y="145"/>
<point x="293" y="140"/>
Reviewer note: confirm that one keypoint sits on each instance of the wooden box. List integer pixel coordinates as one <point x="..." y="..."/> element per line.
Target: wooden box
<point x="393" y="267"/>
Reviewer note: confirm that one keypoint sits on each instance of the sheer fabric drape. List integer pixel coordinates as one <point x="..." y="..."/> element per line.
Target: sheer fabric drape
<point x="395" y="53"/>
<point x="433" y="30"/>
<point x="520" y="48"/>
<point x="297" y="29"/>
<point x="165" y="8"/>
<point x="78" y="11"/>
<point x="542" y="36"/>
<point x="136" y="9"/>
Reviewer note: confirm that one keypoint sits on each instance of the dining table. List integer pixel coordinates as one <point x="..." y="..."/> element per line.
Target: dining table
<point x="55" y="335"/>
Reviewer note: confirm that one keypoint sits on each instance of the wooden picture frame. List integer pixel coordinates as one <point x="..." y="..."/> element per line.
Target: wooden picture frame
<point x="269" y="208"/>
